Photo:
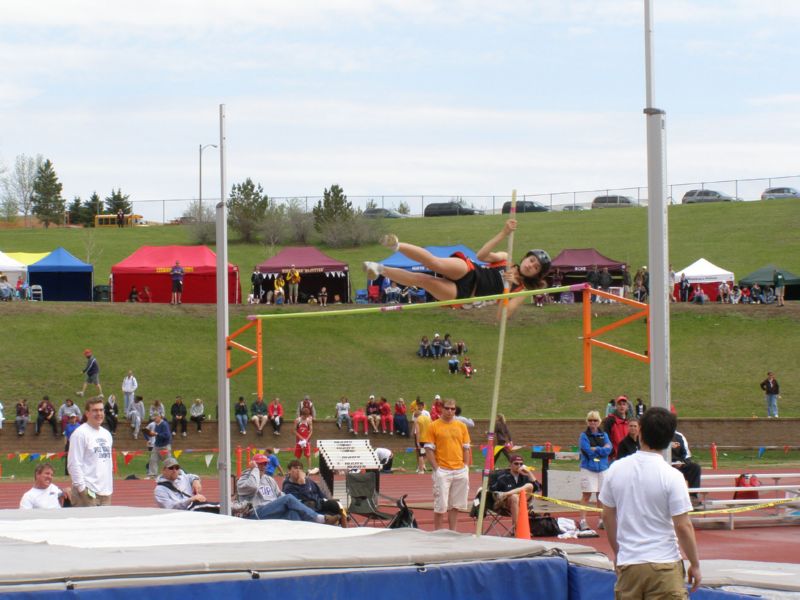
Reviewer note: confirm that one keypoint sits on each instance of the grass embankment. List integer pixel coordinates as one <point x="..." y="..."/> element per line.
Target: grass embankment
<point x="719" y="353"/>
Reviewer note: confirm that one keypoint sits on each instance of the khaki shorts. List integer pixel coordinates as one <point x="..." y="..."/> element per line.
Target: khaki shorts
<point x="654" y="581"/>
<point x="450" y="489"/>
<point x="85" y="499"/>
<point x="591" y="481"/>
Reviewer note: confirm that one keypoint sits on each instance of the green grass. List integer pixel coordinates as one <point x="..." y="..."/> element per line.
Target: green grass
<point x="719" y="354"/>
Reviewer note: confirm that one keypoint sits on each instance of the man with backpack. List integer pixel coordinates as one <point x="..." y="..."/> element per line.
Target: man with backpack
<point x="178" y="490"/>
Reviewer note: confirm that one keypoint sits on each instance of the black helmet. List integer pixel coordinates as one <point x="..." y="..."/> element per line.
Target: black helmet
<point x="543" y="258"/>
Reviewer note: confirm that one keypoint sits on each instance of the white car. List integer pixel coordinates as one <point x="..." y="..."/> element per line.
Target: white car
<point x="775" y="193"/>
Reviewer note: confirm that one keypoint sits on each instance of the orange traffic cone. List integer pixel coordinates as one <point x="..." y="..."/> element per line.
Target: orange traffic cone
<point x="523" y="525"/>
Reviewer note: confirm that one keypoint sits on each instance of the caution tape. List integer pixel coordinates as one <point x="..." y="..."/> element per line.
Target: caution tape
<point x="716" y="511"/>
<point x="740" y="509"/>
<point x="568" y="504"/>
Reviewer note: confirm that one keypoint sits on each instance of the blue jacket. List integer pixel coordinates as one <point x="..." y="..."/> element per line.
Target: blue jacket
<point x="163" y="434"/>
<point x="595" y="458"/>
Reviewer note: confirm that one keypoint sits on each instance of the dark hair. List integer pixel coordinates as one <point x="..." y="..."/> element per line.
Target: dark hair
<point x="658" y="427"/>
<point x="536" y="282"/>
<point x="294" y="463"/>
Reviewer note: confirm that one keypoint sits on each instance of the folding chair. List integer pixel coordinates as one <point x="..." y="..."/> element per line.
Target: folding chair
<point x="494" y="520"/>
<point x="37" y="293"/>
<point x="374" y="294"/>
<point x="363" y="499"/>
<point x="362" y="297"/>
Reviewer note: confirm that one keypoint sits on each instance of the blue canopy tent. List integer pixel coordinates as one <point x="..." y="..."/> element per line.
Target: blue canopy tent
<point x="62" y="277"/>
<point x="400" y="261"/>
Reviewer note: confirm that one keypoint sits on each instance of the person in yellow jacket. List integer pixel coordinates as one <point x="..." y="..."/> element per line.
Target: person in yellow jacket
<point x="293" y="279"/>
<point x="279" y="283"/>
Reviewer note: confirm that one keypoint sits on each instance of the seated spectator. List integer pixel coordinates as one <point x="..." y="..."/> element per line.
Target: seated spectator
<point x="309" y="493"/>
<point x="44" y="493"/>
<point x="768" y="295"/>
<point x="46" y="413"/>
<point x="133" y="296"/>
<point x="746" y="295"/>
<point x="275" y="415"/>
<point x="157" y="409"/>
<point x="436" y="346"/>
<point x="682" y="460"/>
<point x="407" y="294"/>
<point x="312" y="300"/>
<point x="306" y="402"/>
<point x="178" y="412"/>
<point x="756" y="294"/>
<point x="111" y="409"/>
<point x="177" y="490"/>
<point x="359" y="419"/>
<point x="453" y="364"/>
<point x="260" y="415"/>
<point x="467" y="367"/>
<point x="447" y="345"/>
<point x="136" y="415"/>
<point x="437" y="407"/>
<point x="387" y="421"/>
<point x="323" y="296"/>
<point x="460" y="347"/>
<point x="22" y="288"/>
<point x="425" y="350"/>
<point x="197" y="414"/>
<point x="724" y="293"/>
<point x="392" y="293"/>
<point x="66" y="410"/>
<point x="240" y="412"/>
<point x="699" y="295"/>
<point x="23" y="416"/>
<point x="145" y="295"/>
<point x="261" y="492"/>
<point x="400" y="418"/>
<point x="7" y="290"/>
<point x="508" y="486"/>
<point x="343" y="414"/>
<point x="736" y="295"/>
<point x="373" y="414"/>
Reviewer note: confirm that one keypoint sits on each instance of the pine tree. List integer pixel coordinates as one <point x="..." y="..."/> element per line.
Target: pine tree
<point x="116" y="201"/>
<point x="92" y="207"/>
<point x="334" y="206"/>
<point x="48" y="205"/>
<point x="247" y="209"/>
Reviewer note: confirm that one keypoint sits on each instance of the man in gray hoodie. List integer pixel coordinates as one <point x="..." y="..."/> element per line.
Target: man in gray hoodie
<point x="178" y="490"/>
<point x="269" y="502"/>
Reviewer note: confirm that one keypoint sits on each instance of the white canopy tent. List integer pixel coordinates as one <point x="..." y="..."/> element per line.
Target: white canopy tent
<point x="12" y="269"/>
<point x="703" y="271"/>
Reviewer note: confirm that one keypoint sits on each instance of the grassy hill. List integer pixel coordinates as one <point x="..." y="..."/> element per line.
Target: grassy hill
<point x="719" y="353"/>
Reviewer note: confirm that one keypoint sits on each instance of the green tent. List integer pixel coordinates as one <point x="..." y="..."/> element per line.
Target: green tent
<point x="763" y="277"/>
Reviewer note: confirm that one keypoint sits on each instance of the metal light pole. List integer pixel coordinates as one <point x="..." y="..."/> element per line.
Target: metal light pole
<point x="658" y="244"/>
<point x="200" y="182"/>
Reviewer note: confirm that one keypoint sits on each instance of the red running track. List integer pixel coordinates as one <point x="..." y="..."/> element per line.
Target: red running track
<point x="769" y="544"/>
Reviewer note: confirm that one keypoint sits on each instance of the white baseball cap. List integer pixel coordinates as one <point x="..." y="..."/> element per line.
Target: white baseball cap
<point x="437" y="397"/>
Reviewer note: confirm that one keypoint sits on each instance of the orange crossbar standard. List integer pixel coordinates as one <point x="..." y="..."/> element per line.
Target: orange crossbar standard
<point x="590" y="336"/>
<point x="255" y="355"/>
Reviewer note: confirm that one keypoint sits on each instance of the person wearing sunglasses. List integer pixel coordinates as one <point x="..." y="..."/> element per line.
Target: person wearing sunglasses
<point x="178" y="490"/>
<point x="595" y="449"/>
<point x="508" y="486"/>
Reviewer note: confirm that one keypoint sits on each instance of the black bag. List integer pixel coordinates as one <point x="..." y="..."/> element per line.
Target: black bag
<point x="404" y="517"/>
<point x="544" y="525"/>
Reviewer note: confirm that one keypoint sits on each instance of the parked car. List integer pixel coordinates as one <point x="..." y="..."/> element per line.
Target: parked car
<point x="613" y="202"/>
<point x="524" y="206"/>
<point x="695" y="196"/>
<point x="383" y="213"/>
<point x="775" y="193"/>
<point x="446" y="209"/>
<point x="572" y="207"/>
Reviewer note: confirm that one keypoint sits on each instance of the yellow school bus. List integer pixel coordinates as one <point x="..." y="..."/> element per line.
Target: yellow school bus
<point x="111" y="220"/>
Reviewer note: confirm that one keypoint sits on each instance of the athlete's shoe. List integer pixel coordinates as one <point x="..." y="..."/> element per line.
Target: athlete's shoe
<point x="390" y="241"/>
<point x="373" y="269"/>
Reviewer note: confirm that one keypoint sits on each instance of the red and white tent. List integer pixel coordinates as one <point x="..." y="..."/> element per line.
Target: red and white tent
<point x="707" y="274"/>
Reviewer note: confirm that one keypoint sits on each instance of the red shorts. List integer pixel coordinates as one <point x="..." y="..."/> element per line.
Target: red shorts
<point x="300" y="450"/>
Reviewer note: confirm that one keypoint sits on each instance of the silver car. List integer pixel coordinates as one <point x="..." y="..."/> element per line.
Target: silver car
<point x="695" y="196"/>
<point x="775" y="193"/>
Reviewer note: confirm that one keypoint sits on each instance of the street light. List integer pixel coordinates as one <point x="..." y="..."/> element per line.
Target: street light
<point x="200" y="185"/>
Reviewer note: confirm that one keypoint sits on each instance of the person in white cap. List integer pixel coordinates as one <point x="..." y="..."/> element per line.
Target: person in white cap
<point x="373" y="413"/>
<point x="178" y="490"/>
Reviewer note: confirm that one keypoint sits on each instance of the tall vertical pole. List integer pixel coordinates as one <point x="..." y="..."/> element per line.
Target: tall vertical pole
<point x="223" y="385"/>
<point x="657" y="225"/>
<point x="200" y="183"/>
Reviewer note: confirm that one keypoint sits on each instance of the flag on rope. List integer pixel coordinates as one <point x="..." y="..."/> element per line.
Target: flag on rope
<point x="163" y="453"/>
<point x="538" y="448"/>
<point x="177" y="453"/>
<point x="23" y="456"/>
<point x="10" y="456"/>
<point x="556" y="448"/>
<point x="34" y="456"/>
<point x="761" y="451"/>
<point x="50" y="455"/>
<point x="128" y="458"/>
<point x="208" y="458"/>
<point x="61" y="454"/>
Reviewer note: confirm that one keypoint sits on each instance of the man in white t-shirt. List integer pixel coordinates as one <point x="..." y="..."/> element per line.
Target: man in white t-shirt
<point x="44" y="493"/>
<point x="90" y="463"/>
<point x="646" y="514"/>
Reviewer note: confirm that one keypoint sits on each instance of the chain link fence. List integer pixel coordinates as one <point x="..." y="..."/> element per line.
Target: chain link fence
<point x="172" y="210"/>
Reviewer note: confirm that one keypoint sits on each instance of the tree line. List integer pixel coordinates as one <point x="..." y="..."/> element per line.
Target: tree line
<point x="32" y="188"/>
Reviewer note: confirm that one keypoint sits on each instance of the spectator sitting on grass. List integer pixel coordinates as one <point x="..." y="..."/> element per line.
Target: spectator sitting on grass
<point x="425" y="350"/>
<point x="436" y="346"/>
<point x="453" y="364"/>
<point x="467" y="367"/>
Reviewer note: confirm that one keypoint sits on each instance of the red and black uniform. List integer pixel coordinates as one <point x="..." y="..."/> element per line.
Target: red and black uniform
<point x="481" y="280"/>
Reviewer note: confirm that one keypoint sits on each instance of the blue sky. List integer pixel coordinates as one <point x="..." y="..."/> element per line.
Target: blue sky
<point x="396" y="97"/>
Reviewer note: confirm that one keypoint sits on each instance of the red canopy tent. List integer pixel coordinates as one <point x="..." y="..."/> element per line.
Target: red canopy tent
<point x="316" y="270"/>
<point x="150" y="266"/>
<point x="575" y="264"/>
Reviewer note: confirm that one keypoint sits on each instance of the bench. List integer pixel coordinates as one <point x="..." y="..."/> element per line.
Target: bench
<point x="776" y="477"/>
<point x="712" y="503"/>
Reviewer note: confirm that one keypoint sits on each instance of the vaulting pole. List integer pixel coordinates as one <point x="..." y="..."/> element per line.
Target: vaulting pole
<point x="489" y="462"/>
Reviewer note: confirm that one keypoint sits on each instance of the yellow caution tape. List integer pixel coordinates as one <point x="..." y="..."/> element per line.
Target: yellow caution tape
<point x="568" y="504"/>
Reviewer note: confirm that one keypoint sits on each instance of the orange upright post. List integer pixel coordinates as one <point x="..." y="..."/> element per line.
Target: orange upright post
<point x="587" y="340"/>
<point x="114" y="460"/>
<point x="238" y="462"/>
<point x="523" y="531"/>
<point x="713" y="456"/>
